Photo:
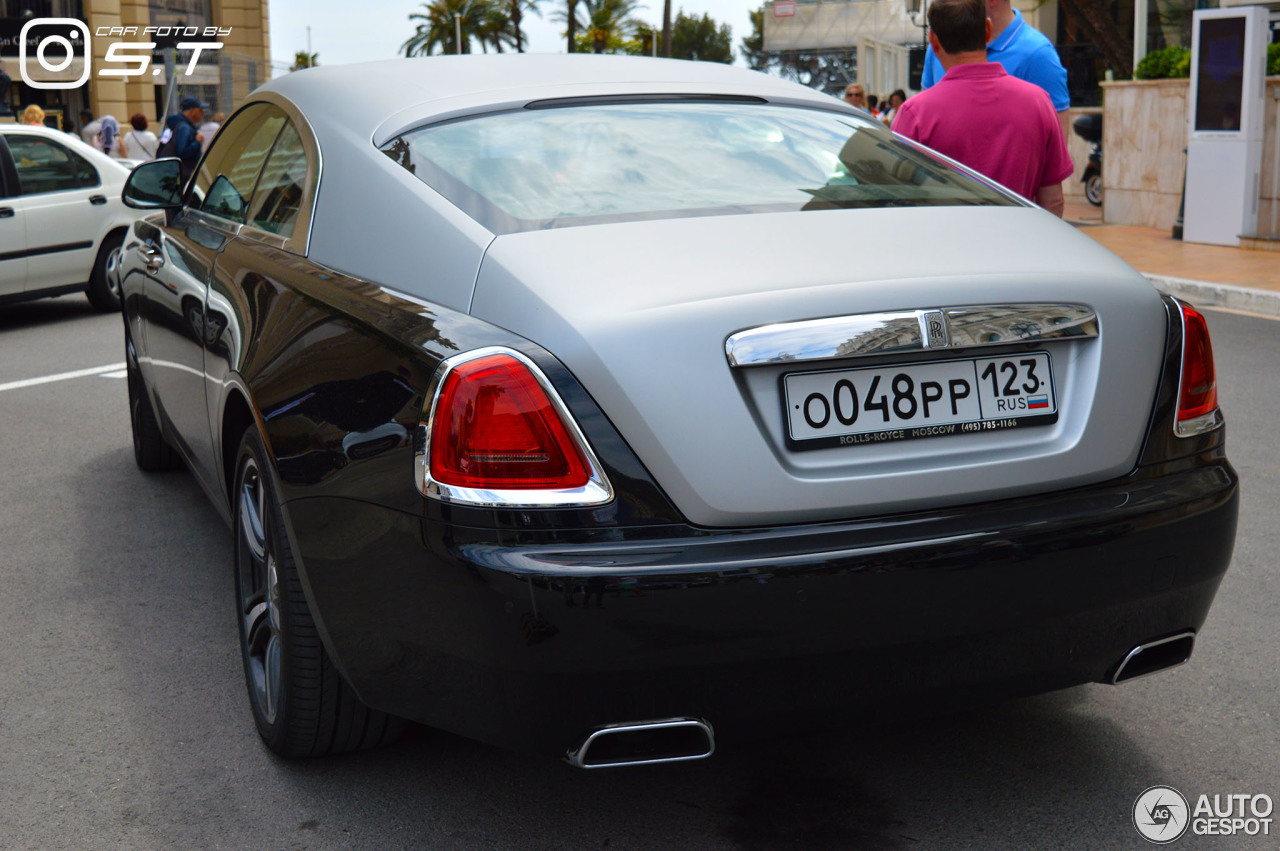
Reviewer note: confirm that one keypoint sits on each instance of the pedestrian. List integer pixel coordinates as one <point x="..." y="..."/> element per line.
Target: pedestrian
<point x="89" y="128"/>
<point x="6" y="84"/>
<point x="210" y="128"/>
<point x="1023" y="50"/>
<point x="873" y="104"/>
<point x="181" y="139"/>
<point x="108" y="140"/>
<point x="980" y="115"/>
<point x="139" y="143"/>
<point x="33" y="115"/>
<point x="856" y="95"/>
<point x="896" y="100"/>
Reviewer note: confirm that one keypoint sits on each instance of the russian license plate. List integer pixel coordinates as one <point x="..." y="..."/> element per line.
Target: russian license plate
<point x="842" y="407"/>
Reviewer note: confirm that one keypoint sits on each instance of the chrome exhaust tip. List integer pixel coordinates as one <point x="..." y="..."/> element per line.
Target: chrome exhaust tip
<point x="1154" y="656"/>
<point x="645" y="743"/>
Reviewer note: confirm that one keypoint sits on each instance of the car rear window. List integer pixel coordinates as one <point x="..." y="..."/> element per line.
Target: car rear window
<point x="530" y="169"/>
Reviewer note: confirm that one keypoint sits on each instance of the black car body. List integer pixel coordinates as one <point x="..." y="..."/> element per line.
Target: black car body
<point x="609" y="624"/>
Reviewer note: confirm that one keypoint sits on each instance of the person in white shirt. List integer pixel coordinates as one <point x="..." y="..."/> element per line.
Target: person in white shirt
<point x="138" y="143"/>
<point x="89" y="128"/>
<point x="209" y="128"/>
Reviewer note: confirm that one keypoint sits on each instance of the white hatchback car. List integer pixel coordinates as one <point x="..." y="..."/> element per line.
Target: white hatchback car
<point x="61" y="218"/>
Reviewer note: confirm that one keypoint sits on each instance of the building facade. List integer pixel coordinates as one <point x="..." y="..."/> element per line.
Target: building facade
<point x="1095" y="38"/>
<point x="222" y="76"/>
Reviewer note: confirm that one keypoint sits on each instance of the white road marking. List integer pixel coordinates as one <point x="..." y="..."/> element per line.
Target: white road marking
<point x="124" y="373"/>
<point x="79" y="373"/>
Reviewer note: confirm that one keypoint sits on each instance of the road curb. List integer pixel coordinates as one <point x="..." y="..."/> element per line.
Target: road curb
<point x="1205" y="294"/>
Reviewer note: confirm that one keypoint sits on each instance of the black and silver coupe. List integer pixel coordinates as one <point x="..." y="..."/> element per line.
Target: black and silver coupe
<point x="593" y="404"/>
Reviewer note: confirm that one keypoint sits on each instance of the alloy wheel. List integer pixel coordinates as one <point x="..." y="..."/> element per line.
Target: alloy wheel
<point x="259" y="591"/>
<point x="112" y="270"/>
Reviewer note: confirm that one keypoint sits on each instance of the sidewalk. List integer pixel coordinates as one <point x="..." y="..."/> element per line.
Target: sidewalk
<point x="1205" y="275"/>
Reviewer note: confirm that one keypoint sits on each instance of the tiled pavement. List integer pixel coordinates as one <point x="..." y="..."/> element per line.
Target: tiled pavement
<point x="1206" y="275"/>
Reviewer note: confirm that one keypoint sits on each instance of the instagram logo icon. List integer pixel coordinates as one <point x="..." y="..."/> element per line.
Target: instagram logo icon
<point x="60" y="34"/>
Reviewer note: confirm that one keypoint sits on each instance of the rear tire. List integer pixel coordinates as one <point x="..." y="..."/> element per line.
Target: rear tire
<point x="301" y="705"/>
<point x="150" y="450"/>
<point x="1093" y="189"/>
<point x="104" y="286"/>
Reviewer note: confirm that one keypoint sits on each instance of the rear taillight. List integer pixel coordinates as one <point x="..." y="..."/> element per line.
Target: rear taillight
<point x="496" y="433"/>
<point x="1198" y="389"/>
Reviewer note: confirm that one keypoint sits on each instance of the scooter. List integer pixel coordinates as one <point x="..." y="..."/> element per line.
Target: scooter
<point x="1089" y="128"/>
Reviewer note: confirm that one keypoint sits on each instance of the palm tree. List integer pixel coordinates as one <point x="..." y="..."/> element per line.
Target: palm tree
<point x="494" y="28"/>
<point x="515" y="14"/>
<point x="609" y="20"/>
<point x="666" y="28"/>
<point x="569" y="17"/>
<point x="438" y="26"/>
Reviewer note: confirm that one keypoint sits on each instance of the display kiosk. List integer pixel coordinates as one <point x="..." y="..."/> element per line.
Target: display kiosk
<point x="1225" y="123"/>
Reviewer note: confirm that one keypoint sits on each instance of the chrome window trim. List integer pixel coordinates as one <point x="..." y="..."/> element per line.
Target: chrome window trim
<point x="906" y="331"/>
<point x="299" y="242"/>
<point x="188" y="190"/>
<point x="1202" y="424"/>
<point x="597" y="491"/>
<point x="209" y="220"/>
<point x="254" y="234"/>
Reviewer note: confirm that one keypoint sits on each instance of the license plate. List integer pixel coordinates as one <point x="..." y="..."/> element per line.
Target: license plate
<point x="876" y="404"/>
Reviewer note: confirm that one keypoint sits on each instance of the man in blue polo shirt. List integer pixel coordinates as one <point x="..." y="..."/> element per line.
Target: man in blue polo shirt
<point x="1023" y="51"/>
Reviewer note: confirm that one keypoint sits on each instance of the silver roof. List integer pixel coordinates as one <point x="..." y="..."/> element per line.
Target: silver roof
<point x="379" y="100"/>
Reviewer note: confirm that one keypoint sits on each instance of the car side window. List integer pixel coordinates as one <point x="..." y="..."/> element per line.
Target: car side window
<point x="279" y="196"/>
<point x="225" y="179"/>
<point x="43" y="166"/>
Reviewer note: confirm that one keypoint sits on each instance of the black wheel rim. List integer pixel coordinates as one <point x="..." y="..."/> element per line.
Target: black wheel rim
<point x="259" y="592"/>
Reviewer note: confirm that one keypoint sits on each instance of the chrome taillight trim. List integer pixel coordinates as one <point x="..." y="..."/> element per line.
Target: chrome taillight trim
<point x="1199" y="425"/>
<point x="1206" y="422"/>
<point x="906" y="331"/>
<point x="597" y="490"/>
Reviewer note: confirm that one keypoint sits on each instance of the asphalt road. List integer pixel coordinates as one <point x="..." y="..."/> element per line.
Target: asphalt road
<point x="124" y="723"/>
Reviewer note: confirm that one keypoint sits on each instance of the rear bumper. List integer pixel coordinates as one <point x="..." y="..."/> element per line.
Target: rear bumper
<point x="531" y="640"/>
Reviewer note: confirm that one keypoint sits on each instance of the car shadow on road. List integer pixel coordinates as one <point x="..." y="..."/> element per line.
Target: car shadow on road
<point x="197" y="776"/>
<point x="1007" y="777"/>
<point x="43" y="312"/>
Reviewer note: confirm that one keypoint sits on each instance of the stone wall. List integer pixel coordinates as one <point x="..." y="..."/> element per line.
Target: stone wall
<point x="1269" y="201"/>
<point x="1144" y="132"/>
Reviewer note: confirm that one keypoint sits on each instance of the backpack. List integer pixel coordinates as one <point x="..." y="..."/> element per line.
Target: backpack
<point x="168" y="147"/>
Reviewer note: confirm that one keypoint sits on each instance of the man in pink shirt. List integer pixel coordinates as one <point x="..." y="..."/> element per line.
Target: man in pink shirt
<point x="977" y="114"/>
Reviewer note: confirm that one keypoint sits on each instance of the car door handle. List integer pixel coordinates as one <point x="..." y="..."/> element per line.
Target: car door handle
<point x="97" y="200"/>
<point x="6" y="212"/>
<point x="155" y="257"/>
